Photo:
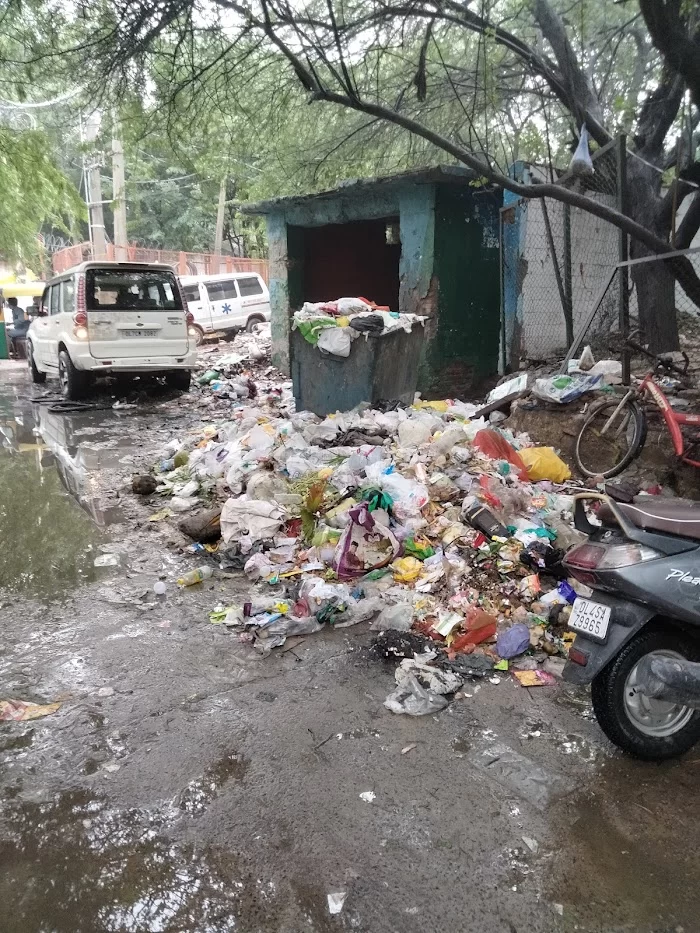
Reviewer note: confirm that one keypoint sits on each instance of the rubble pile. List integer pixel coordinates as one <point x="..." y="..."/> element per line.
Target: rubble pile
<point x="426" y="522"/>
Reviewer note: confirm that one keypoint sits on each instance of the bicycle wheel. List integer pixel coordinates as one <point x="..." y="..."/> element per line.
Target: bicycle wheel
<point x="604" y="447"/>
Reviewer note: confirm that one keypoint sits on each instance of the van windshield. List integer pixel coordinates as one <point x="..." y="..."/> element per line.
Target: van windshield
<point x="130" y="290"/>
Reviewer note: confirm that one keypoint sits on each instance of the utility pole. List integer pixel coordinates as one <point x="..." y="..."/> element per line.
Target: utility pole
<point x="118" y="194"/>
<point x="219" y="233"/>
<point x="92" y="163"/>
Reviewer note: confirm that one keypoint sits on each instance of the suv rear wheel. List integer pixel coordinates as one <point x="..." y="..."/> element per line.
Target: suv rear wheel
<point x="37" y="377"/>
<point x="74" y="384"/>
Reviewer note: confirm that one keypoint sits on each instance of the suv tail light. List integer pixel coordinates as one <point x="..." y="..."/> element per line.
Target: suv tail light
<point x="80" y="303"/>
<point x="189" y="318"/>
<point x="590" y="556"/>
<point x="80" y="318"/>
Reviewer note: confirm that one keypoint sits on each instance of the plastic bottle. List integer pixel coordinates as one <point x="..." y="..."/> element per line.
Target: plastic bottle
<point x="195" y="576"/>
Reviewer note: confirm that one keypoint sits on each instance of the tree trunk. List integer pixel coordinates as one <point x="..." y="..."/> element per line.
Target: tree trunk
<point x="654" y="283"/>
<point x="655" y="288"/>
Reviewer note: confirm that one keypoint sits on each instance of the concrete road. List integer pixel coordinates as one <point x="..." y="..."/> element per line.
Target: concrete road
<point x="183" y="786"/>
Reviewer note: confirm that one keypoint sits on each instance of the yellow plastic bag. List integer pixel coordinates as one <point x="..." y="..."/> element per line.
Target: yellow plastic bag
<point x="437" y="405"/>
<point x="406" y="569"/>
<point x="543" y="463"/>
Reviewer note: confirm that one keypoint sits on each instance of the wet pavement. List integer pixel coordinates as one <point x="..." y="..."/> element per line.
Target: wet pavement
<point x="184" y="787"/>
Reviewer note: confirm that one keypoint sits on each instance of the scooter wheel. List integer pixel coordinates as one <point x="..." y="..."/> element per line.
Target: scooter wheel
<point x="642" y="726"/>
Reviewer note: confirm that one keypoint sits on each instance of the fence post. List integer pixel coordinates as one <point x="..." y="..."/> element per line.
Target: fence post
<point x="564" y="297"/>
<point x="623" y="255"/>
<point x="568" y="288"/>
<point x="502" y="360"/>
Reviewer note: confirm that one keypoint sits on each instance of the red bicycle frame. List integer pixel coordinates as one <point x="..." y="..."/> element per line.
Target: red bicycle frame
<point x="673" y="419"/>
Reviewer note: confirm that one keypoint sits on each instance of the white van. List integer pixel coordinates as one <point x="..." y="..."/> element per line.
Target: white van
<point x="111" y="317"/>
<point x="230" y="301"/>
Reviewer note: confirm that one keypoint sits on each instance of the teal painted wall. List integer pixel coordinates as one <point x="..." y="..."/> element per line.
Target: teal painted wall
<point x="417" y="218"/>
<point x="463" y="347"/>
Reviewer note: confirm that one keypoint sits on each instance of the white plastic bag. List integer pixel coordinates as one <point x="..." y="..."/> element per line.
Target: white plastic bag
<point x="413" y="433"/>
<point x="581" y="163"/>
<point x="250" y="519"/>
<point x="335" y="340"/>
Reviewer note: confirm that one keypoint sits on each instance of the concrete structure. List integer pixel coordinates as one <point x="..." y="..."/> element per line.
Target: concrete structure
<point x="424" y="242"/>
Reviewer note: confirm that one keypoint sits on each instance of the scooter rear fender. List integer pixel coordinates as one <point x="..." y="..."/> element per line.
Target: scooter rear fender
<point x="626" y="619"/>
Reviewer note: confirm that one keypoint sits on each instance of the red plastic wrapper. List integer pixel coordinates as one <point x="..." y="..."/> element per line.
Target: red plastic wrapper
<point x="480" y="626"/>
<point x="494" y="445"/>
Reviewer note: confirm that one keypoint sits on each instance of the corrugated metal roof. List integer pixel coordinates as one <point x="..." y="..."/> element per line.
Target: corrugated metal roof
<point x="452" y="174"/>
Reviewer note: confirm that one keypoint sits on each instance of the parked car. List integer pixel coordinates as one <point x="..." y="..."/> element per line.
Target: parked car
<point x="104" y="318"/>
<point x="226" y="303"/>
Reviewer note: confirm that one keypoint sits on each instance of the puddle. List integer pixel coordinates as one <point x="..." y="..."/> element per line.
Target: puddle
<point x="199" y="793"/>
<point x="46" y="467"/>
<point x="520" y="775"/>
<point x="627" y="849"/>
<point x="75" y="864"/>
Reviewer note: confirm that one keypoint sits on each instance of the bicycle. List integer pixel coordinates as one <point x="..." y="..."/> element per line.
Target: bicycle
<point x="617" y="428"/>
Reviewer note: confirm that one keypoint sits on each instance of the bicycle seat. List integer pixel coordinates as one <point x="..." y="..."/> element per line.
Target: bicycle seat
<point x="672" y="516"/>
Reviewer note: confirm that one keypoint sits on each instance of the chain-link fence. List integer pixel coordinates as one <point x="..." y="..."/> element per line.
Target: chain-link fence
<point x="676" y="288"/>
<point x="556" y="260"/>
<point x="565" y="274"/>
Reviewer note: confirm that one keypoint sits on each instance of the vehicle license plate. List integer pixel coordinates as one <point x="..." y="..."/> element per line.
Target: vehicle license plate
<point x="590" y="618"/>
<point x="139" y="333"/>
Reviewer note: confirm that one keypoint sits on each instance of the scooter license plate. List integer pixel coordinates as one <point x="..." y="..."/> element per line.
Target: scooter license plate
<point x="589" y="618"/>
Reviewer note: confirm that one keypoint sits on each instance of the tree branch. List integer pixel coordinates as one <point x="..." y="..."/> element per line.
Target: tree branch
<point x="671" y="33"/>
<point x="581" y="99"/>
<point x="690" y="224"/>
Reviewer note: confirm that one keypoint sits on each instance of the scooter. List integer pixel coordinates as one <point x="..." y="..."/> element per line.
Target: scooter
<point x="638" y="635"/>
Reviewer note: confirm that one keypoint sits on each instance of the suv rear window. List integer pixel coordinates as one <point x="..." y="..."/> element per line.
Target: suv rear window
<point x="131" y="290"/>
<point x="250" y="286"/>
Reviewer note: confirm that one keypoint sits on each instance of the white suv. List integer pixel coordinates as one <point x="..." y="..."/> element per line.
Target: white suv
<point x="109" y="318"/>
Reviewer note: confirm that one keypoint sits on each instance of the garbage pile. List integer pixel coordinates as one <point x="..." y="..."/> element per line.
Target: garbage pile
<point x="443" y="531"/>
<point x="228" y="375"/>
<point x="333" y="325"/>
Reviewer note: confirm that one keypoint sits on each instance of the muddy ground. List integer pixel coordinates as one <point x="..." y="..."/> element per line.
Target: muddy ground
<point x="184" y="787"/>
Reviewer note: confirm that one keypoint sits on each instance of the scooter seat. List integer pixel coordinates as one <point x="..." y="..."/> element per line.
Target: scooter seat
<point x="672" y="516"/>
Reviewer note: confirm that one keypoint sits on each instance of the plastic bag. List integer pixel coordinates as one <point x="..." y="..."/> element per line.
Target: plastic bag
<point x="513" y="642"/>
<point x="563" y="389"/>
<point x="364" y="545"/>
<point x="413" y="700"/>
<point x="582" y="163"/>
<point x="406" y="569"/>
<point x="494" y="445"/>
<point x="250" y="520"/>
<point x="413" y="433"/>
<point x="408" y="495"/>
<point x="335" y="340"/>
<point x="543" y="463"/>
<point x="421" y="688"/>
<point x="398" y="617"/>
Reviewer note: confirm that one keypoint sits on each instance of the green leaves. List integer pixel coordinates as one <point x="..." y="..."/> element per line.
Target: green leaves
<point x="34" y="192"/>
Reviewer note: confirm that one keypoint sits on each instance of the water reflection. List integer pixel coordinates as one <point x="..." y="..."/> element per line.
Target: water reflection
<point x="47" y="545"/>
<point x="73" y="864"/>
